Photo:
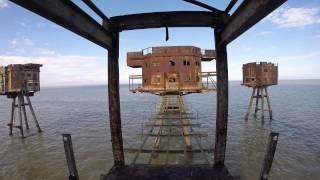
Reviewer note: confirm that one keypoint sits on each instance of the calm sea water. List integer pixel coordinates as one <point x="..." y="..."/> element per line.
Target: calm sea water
<point x="82" y="111"/>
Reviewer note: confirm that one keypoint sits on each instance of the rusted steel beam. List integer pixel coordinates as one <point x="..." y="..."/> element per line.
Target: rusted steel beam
<point x="271" y="149"/>
<point x="169" y="19"/>
<point x="71" y="162"/>
<point x="222" y="100"/>
<point x="247" y="14"/>
<point x="170" y="151"/>
<point x="114" y="102"/>
<point x="203" y="5"/>
<point x="94" y="8"/>
<point x="68" y="15"/>
<point x="230" y="6"/>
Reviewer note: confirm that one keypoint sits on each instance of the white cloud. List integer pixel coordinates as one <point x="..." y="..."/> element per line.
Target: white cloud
<point x="265" y="32"/>
<point x="21" y="42"/>
<point x="4" y="3"/>
<point x="288" y="17"/>
<point x="65" y="70"/>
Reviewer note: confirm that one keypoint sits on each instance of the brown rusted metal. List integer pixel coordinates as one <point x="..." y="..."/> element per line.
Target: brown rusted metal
<point x="20" y="78"/>
<point x="222" y="100"/>
<point x="175" y="69"/>
<point x="260" y="74"/>
<point x="114" y="102"/>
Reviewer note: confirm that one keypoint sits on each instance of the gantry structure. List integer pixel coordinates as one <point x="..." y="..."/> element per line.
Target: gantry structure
<point x="226" y="28"/>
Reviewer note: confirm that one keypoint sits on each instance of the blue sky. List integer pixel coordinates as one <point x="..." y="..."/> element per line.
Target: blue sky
<point x="290" y="36"/>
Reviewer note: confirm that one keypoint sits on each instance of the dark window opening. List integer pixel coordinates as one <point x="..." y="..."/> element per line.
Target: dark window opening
<point x="172" y="63"/>
<point x="184" y="62"/>
<point x="172" y="79"/>
<point x="188" y="63"/>
<point x="145" y="80"/>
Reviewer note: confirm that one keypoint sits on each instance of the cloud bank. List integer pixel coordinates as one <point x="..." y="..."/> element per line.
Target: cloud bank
<point x="288" y="17"/>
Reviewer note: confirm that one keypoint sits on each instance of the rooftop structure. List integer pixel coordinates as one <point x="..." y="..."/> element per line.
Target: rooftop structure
<point x="171" y="70"/>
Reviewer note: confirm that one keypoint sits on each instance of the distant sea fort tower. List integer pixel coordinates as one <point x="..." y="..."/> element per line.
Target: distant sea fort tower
<point x="259" y="76"/>
<point x="20" y="81"/>
<point x="171" y="70"/>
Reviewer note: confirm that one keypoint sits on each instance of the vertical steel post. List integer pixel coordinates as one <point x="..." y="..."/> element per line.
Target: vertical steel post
<point x="24" y="112"/>
<point x="33" y="114"/>
<point x="71" y="162"/>
<point x="257" y="102"/>
<point x="262" y="104"/>
<point x="222" y="100"/>
<point x="12" y="115"/>
<point x="271" y="149"/>
<point x="20" y="115"/>
<point x="114" y="101"/>
<point x="268" y="101"/>
<point x="250" y="103"/>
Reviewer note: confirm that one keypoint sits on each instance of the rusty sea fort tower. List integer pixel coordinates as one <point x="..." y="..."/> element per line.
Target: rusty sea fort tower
<point x="259" y="76"/>
<point x="19" y="82"/>
<point x="171" y="73"/>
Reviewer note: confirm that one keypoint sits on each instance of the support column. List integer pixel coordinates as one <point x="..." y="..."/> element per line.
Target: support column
<point x="20" y="96"/>
<point x="114" y="101"/>
<point x="250" y="103"/>
<point x="268" y="101"/>
<point x="257" y="102"/>
<point x="222" y="100"/>
<point x="25" y="113"/>
<point x="262" y="104"/>
<point x="12" y="114"/>
<point x="33" y="114"/>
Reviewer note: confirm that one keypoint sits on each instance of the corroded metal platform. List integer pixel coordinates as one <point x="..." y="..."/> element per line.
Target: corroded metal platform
<point x="172" y="172"/>
<point x="172" y="137"/>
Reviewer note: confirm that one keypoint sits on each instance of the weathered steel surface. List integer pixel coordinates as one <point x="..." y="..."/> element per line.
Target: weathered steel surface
<point x="90" y="4"/>
<point x="222" y="100"/>
<point x="21" y="106"/>
<point x="171" y="69"/>
<point x="20" y="78"/>
<point x="71" y="162"/>
<point x="230" y="6"/>
<point x="203" y="5"/>
<point x="271" y="149"/>
<point x="260" y="96"/>
<point x="247" y="14"/>
<point x="173" y="172"/>
<point x="169" y="19"/>
<point x="259" y="74"/>
<point x="171" y="132"/>
<point x="70" y="16"/>
<point x="114" y="102"/>
<point x="2" y="80"/>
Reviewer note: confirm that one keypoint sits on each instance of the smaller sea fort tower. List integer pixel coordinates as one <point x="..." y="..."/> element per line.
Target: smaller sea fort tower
<point x="19" y="82"/>
<point x="259" y="76"/>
